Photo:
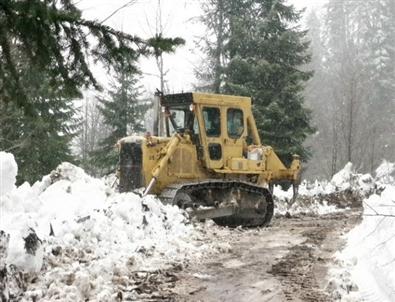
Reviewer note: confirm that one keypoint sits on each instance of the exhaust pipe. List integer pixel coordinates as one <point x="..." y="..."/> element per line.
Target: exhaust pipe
<point x="157" y="113"/>
<point x="149" y="187"/>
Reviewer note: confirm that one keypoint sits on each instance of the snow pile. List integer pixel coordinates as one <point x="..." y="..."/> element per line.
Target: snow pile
<point x="345" y="190"/>
<point x="307" y="202"/>
<point x="385" y="173"/>
<point x="348" y="179"/>
<point x="306" y="206"/>
<point x="343" y="178"/>
<point x="8" y="172"/>
<point x="80" y="237"/>
<point x="366" y="267"/>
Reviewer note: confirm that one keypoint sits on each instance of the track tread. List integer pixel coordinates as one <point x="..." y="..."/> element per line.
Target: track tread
<point x="245" y="219"/>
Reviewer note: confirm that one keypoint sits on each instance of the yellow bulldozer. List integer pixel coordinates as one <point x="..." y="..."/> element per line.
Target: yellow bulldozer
<point x="210" y="161"/>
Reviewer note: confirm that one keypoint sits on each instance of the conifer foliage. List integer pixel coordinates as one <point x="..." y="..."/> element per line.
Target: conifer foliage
<point x="259" y="51"/>
<point x="123" y="113"/>
<point x="54" y="38"/>
<point x="39" y="142"/>
<point x="45" y="50"/>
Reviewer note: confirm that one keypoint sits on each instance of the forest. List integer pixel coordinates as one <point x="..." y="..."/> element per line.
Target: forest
<point x="322" y="81"/>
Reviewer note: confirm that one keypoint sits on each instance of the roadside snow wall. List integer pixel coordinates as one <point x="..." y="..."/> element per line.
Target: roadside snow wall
<point x="8" y="172"/>
<point x="345" y="190"/>
<point x="366" y="267"/>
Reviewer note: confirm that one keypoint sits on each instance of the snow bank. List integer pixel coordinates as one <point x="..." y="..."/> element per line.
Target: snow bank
<point x="348" y="179"/>
<point x="366" y="267"/>
<point x="342" y="179"/>
<point x="308" y="202"/>
<point x="346" y="189"/>
<point x="85" y="234"/>
<point x="8" y="172"/>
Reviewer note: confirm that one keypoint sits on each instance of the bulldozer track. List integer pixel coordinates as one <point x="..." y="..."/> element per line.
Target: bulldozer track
<point x="249" y="196"/>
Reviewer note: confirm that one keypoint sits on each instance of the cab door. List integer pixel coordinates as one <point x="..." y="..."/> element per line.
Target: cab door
<point x="211" y="123"/>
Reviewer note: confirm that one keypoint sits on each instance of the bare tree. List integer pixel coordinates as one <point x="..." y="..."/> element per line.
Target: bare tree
<point x="93" y="130"/>
<point x="352" y="91"/>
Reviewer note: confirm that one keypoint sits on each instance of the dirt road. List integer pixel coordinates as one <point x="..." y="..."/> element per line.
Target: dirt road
<point x="284" y="262"/>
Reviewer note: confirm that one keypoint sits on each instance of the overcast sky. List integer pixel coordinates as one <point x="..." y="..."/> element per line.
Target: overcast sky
<point x="179" y="18"/>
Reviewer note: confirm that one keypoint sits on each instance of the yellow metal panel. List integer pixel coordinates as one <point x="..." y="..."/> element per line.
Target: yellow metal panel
<point x="220" y="99"/>
<point x="256" y="165"/>
<point x="237" y="164"/>
<point x="181" y="163"/>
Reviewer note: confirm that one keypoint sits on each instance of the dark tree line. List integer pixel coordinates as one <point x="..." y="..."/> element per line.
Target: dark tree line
<point x="45" y="50"/>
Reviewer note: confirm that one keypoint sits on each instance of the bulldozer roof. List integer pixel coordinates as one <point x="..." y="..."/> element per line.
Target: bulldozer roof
<point x="186" y="99"/>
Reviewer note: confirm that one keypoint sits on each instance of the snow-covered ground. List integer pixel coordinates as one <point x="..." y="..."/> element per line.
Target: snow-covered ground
<point x="365" y="269"/>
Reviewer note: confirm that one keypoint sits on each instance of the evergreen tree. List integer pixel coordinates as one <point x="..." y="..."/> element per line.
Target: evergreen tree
<point x="210" y="73"/>
<point x="380" y="38"/>
<point x="123" y="113"/>
<point x="42" y="142"/>
<point x="55" y="39"/>
<point x="44" y="51"/>
<point x="263" y="52"/>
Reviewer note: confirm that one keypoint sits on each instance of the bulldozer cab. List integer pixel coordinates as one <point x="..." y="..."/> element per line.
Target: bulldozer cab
<point x="218" y="125"/>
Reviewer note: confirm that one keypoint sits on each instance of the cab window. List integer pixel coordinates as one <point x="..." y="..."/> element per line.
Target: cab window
<point x="212" y="121"/>
<point x="195" y="126"/>
<point x="235" y="122"/>
<point x="177" y="118"/>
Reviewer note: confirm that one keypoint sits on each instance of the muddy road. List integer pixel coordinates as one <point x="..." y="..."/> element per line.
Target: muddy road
<point x="287" y="261"/>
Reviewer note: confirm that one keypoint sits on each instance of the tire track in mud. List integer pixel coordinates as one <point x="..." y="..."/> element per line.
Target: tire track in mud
<point x="285" y="262"/>
<point x="303" y="270"/>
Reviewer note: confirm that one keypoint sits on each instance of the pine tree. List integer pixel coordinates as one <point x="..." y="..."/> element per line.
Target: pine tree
<point x="380" y="37"/>
<point x="210" y="73"/>
<point x="263" y="50"/>
<point x="45" y="47"/>
<point x="42" y="142"/>
<point x="123" y="113"/>
<point x="45" y="31"/>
